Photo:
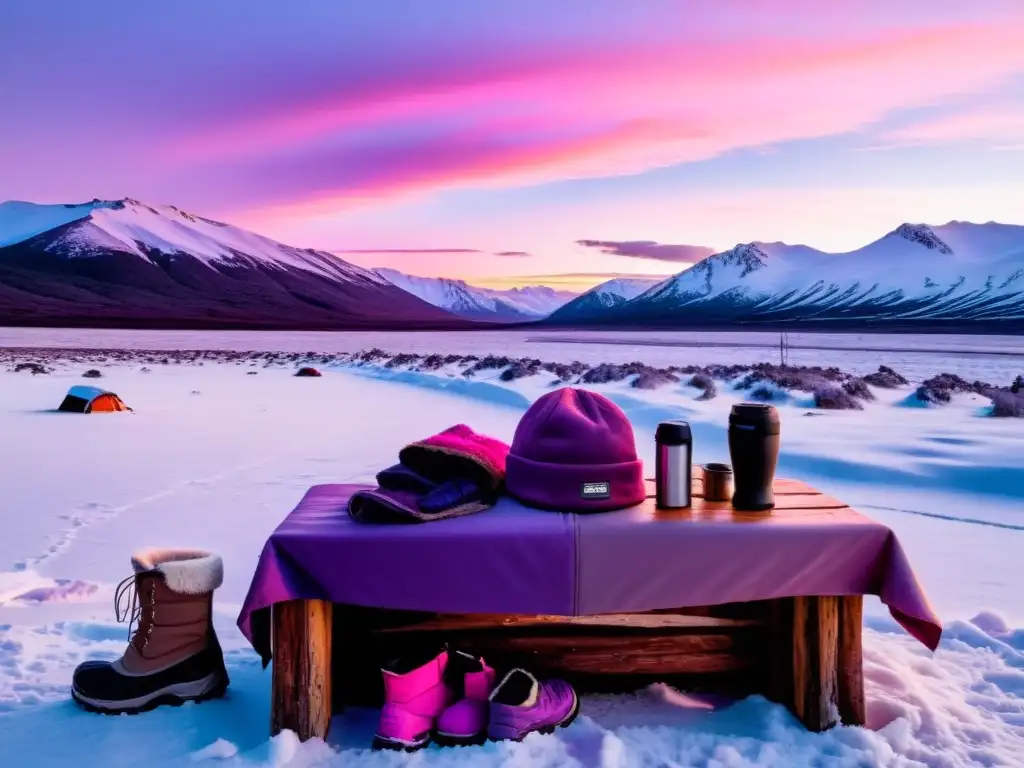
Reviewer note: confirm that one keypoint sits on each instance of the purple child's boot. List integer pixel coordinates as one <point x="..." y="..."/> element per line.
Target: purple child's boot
<point x="413" y="699"/>
<point x="465" y="721"/>
<point x="522" y="704"/>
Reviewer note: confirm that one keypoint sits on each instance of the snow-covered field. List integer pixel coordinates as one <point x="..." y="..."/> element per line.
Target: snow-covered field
<point x="214" y="458"/>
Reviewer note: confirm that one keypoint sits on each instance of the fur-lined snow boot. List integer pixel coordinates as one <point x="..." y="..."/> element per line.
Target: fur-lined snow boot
<point x="173" y="655"/>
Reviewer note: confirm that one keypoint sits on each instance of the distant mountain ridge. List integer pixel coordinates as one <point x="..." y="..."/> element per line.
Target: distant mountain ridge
<point x="958" y="274"/>
<point x="609" y="295"/>
<point x="130" y="264"/>
<point x="127" y="263"/>
<point x="484" y="304"/>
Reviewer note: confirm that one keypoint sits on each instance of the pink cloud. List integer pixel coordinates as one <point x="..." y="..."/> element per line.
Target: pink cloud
<point x="648" y="249"/>
<point x="605" y="111"/>
<point x="635" y="80"/>
<point x="392" y="251"/>
<point x="322" y="181"/>
<point x="999" y="125"/>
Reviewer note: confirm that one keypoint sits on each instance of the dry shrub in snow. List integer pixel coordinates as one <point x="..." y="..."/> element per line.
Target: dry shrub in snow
<point x="654" y="378"/>
<point x="704" y="382"/>
<point x="859" y="389"/>
<point x="520" y="369"/>
<point x="490" y="363"/>
<point x="402" y="359"/>
<point x="34" y="368"/>
<point x="886" y="378"/>
<point x="941" y="388"/>
<point x="566" y="371"/>
<point x="604" y="373"/>
<point x="1006" y="403"/>
<point x="835" y="399"/>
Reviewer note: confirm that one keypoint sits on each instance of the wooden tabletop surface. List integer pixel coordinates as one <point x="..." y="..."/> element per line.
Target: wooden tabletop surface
<point x="794" y="499"/>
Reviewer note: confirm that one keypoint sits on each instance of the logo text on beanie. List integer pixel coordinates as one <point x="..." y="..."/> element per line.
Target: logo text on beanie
<point x="596" y="491"/>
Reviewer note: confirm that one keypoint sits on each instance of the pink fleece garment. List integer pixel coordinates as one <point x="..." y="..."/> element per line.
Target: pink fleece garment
<point x="460" y="440"/>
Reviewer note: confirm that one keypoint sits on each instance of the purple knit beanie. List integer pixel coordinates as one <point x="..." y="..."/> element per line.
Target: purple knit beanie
<point x="574" y="451"/>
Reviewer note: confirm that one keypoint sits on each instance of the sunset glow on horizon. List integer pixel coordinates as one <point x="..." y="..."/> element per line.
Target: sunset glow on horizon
<point x="506" y="142"/>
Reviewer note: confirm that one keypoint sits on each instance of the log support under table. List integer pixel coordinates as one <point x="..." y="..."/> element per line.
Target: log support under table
<point x="301" y="676"/>
<point x="816" y="659"/>
<point x="803" y="652"/>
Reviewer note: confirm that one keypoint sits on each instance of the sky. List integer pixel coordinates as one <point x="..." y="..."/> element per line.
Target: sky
<point x="511" y="142"/>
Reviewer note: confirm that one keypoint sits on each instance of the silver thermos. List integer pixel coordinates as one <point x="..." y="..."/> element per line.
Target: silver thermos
<point x="673" y="465"/>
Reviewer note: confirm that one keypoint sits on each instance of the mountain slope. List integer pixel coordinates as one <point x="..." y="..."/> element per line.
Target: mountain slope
<point x="958" y="274"/>
<point x="514" y="305"/>
<point x="123" y="262"/>
<point x="535" y="300"/>
<point x="601" y="300"/>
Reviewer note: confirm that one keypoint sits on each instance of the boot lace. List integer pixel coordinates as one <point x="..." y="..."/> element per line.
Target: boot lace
<point x="130" y="606"/>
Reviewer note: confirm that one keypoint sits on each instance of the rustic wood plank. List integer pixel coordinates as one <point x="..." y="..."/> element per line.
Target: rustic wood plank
<point x="793" y="499"/>
<point x="716" y="648"/>
<point x="815" y="661"/>
<point x="807" y="664"/>
<point x="625" y="621"/>
<point x="599" y="656"/>
<point x="792" y="502"/>
<point x="301" y="675"/>
<point x="782" y="485"/>
<point x="581" y="649"/>
<point x="795" y="507"/>
<point x="852" y="709"/>
<point x="757" y="611"/>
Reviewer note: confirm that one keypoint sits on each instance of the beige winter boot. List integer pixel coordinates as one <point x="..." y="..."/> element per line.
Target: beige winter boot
<point x="173" y="655"/>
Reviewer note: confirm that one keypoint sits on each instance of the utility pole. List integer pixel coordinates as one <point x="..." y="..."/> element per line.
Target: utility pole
<point x="783" y="347"/>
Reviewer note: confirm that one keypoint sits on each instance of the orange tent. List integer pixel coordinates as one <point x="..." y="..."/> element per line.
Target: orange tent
<point x="81" y="399"/>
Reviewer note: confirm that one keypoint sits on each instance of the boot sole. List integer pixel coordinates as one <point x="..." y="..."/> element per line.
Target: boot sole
<point x="213" y="686"/>
<point x="450" y="740"/>
<point x="381" y="744"/>
<point x="549" y="729"/>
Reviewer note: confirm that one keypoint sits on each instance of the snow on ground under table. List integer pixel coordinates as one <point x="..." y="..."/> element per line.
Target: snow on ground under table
<point x="214" y="458"/>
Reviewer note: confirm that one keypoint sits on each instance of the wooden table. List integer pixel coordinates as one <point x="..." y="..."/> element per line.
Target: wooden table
<point x="803" y="652"/>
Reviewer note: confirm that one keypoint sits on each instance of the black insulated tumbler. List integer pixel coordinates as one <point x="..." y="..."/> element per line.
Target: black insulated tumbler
<point x="754" y="450"/>
<point x="673" y="465"/>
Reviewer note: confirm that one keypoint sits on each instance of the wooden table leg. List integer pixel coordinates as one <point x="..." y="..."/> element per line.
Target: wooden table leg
<point x="816" y="658"/>
<point x="816" y="661"/>
<point x="851" y="660"/>
<point x="301" y="682"/>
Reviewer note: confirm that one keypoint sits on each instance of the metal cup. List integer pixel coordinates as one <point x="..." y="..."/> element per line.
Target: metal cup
<point x="717" y="482"/>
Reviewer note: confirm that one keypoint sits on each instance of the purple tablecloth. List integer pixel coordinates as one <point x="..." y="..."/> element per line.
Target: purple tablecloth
<point x="512" y="559"/>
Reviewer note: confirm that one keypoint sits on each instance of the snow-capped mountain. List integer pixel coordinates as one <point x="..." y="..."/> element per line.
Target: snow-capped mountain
<point x="602" y="298"/>
<point x="536" y="300"/>
<point x="126" y="262"/>
<point x="957" y="274"/>
<point x="457" y="296"/>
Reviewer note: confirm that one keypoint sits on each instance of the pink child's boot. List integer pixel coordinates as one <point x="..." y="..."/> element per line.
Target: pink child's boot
<point x="414" y="697"/>
<point x="465" y="721"/>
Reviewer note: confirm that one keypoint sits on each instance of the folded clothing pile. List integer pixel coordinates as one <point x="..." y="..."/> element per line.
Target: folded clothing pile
<point x="573" y="451"/>
<point x="455" y="472"/>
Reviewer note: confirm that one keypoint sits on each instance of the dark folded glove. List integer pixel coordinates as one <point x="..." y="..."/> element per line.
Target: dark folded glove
<point x="455" y="472"/>
<point x="388" y="505"/>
